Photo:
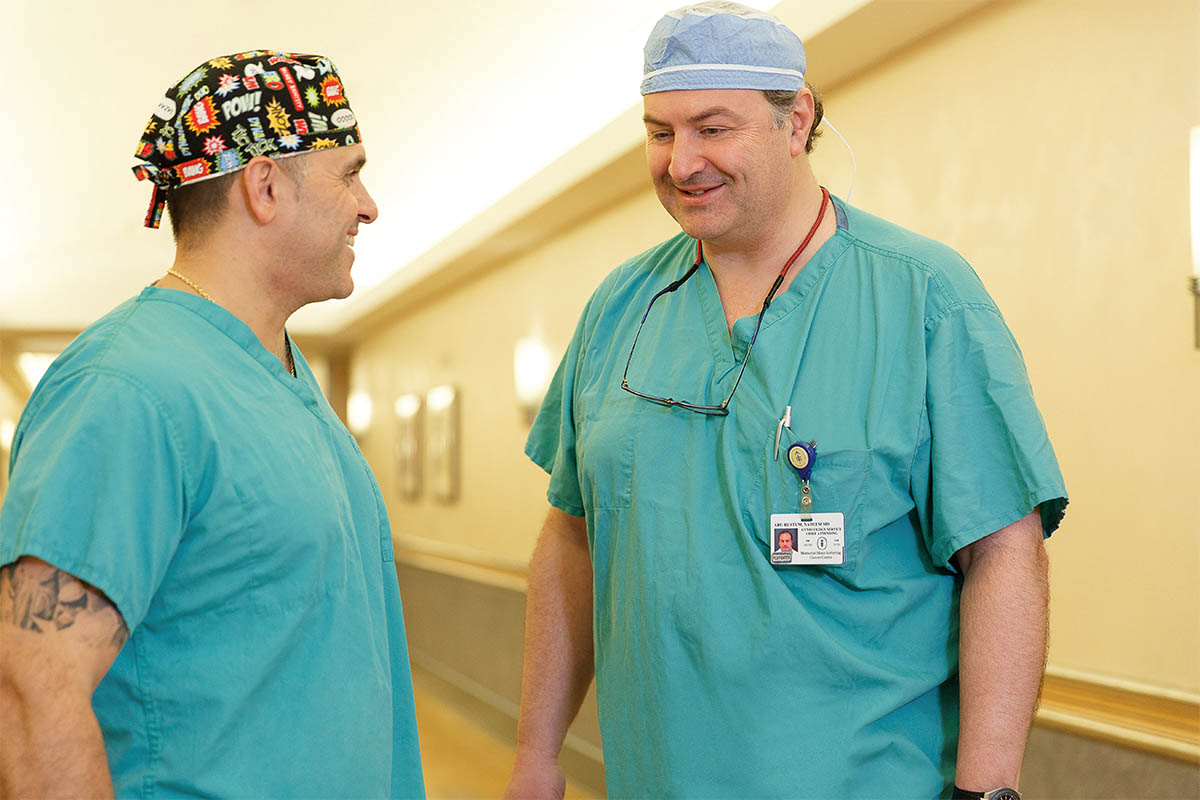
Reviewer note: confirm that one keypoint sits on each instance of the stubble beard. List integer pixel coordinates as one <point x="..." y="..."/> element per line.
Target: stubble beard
<point x="699" y="223"/>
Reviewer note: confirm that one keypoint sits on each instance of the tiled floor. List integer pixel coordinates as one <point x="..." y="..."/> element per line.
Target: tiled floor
<point x="460" y="759"/>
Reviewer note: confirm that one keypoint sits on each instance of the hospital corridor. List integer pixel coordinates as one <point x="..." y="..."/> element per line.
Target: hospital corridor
<point x="639" y="399"/>
<point x="462" y="760"/>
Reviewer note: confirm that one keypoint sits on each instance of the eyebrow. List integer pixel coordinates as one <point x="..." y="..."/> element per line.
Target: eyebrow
<point x="715" y="111"/>
<point x="358" y="163"/>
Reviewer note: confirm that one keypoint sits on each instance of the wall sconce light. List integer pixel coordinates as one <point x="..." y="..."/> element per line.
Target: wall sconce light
<point x="408" y="445"/>
<point x="359" y="411"/>
<point x="34" y="365"/>
<point x="8" y="429"/>
<point x="531" y="375"/>
<point x="441" y="442"/>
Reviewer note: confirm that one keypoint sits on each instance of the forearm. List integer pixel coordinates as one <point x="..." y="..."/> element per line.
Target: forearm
<point x="1003" y="622"/>
<point x="50" y="751"/>
<point x="558" y="663"/>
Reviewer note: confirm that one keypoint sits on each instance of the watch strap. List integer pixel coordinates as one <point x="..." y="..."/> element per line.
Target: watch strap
<point x="1003" y="793"/>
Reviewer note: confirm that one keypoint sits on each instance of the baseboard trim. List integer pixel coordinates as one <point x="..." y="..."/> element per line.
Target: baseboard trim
<point x="1140" y="716"/>
<point x="1160" y="721"/>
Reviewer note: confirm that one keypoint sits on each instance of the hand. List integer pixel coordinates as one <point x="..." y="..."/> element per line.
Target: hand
<point x="536" y="778"/>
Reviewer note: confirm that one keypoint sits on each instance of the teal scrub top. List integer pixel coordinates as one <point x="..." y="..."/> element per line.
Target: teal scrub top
<point x="168" y="459"/>
<point x="718" y="674"/>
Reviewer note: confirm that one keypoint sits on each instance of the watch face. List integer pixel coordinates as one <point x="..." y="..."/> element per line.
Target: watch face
<point x="1002" y="794"/>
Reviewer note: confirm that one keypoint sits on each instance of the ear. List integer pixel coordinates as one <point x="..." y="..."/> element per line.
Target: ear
<point x="803" y="113"/>
<point x="263" y="183"/>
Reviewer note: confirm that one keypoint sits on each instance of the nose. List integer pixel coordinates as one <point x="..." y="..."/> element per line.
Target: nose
<point x="686" y="159"/>
<point x="368" y="212"/>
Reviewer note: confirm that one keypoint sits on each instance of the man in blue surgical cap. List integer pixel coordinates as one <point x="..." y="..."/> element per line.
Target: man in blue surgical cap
<point x="787" y="361"/>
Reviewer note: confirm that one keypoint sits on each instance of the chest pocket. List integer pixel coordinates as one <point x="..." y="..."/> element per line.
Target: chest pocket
<point x="606" y="445"/>
<point x="838" y="485"/>
<point x="277" y="532"/>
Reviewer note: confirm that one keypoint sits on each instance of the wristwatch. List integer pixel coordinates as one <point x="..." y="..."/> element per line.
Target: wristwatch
<point x="1004" y="793"/>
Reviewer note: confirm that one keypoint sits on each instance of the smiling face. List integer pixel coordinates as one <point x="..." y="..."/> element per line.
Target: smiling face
<point x="330" y="203"/>
<point x="719" y="166"/>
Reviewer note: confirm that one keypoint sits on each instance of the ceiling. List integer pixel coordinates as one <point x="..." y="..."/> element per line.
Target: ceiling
<point x="457" y="104"/>
<point x="471" y="116"/>
<point x="478" y="123"/>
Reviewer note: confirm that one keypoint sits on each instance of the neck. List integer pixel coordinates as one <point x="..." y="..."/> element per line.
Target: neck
<point x="745" y="271"/>
<point x="767" y="249"/>
<point x="231" y="283"/>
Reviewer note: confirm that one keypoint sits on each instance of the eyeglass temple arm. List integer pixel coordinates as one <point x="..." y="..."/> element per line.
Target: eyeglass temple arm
<point x="672" y="286"/>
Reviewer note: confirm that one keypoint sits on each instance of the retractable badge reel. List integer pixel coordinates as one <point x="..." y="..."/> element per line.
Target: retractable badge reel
<point x="817" y="539"/>
<point x="802" y="456"/>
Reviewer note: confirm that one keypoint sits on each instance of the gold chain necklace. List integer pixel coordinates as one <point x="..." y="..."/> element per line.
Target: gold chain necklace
<point x="190" y="283"/>
<point x="287" y="345"/>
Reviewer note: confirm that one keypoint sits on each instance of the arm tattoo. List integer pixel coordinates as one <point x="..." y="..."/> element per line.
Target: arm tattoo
<point x="35" y="597"/>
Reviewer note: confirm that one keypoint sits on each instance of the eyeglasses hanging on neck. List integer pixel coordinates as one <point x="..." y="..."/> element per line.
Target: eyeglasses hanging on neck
<point x="722" y="409"/>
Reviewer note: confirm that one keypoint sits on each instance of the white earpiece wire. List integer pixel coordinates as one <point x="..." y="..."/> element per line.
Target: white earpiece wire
<point x="853" y="161"/>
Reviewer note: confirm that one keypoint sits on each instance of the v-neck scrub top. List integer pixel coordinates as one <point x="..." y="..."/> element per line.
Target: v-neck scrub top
<point x="718" y="674"/>
<point x="168" y="459"/>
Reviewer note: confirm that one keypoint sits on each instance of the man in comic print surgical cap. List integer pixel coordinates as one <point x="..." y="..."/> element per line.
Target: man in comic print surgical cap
<point x="197" y="590"/>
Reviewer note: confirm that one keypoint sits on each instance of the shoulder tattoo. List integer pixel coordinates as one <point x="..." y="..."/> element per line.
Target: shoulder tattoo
<point x="37" y="597"/>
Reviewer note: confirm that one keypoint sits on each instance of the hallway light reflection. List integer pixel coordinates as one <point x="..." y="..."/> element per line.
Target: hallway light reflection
<point x="34" y="365"/>
<point x="359" y="412"/>
<point x="531" y="374"/>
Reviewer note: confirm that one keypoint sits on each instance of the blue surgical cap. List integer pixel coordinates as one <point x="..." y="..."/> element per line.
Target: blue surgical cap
<point x="722" y="45"/>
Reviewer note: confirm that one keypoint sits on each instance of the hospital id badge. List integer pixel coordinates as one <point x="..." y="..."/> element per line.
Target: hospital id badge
<point x="798" y="539"/>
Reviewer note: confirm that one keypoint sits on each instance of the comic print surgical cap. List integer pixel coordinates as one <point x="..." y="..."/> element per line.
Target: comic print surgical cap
<point x="232" y="108"/>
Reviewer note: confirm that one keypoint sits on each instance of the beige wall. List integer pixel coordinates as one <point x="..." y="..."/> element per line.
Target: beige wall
<point x="466" y="338"/>
<point x="1045" y="140"/>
